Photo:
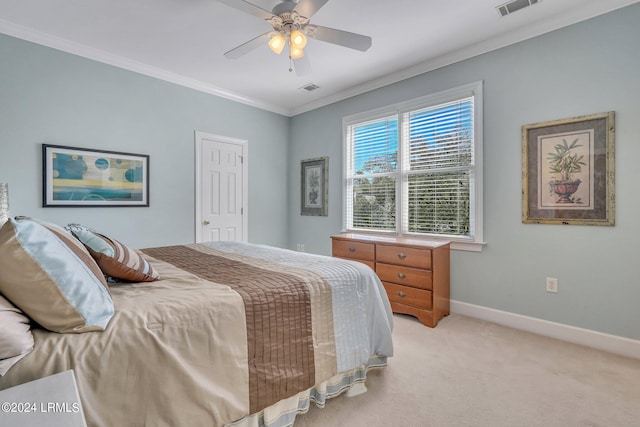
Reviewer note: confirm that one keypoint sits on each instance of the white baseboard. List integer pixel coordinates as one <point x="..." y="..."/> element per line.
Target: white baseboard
<point x="611" y="343"/>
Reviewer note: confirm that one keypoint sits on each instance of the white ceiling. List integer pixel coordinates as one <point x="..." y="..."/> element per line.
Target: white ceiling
<point x="183" y="41"/>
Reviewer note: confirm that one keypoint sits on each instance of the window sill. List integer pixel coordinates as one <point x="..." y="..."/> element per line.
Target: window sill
<point x="468" y="246"/>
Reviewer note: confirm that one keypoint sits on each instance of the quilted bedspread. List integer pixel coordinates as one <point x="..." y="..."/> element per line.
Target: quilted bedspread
<point x="229" y="330"/>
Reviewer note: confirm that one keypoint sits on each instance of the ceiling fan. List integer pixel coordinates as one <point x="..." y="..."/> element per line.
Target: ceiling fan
<point x="291" y="27"/>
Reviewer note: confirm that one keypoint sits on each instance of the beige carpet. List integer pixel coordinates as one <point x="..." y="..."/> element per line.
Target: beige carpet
<point x="468" y="372"/>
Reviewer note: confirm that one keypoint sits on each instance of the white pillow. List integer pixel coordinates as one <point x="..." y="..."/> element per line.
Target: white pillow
<point x="16" y="340"/>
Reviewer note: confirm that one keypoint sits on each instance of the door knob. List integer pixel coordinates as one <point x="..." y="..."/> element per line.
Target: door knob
<point x="206" y="222"/>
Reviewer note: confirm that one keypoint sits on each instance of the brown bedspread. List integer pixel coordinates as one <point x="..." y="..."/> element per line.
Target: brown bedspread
<point x="279" y="330"/>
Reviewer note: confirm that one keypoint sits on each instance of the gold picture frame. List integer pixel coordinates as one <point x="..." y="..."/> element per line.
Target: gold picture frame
<point x="568" y="174"/>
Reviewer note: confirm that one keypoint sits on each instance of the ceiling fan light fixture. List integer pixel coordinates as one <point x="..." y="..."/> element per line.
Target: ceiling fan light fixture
<point x="277" y="43"/>
<point x="296" y="53"/>
<point x="298" y="39"/>
<point x="291" y="29"/>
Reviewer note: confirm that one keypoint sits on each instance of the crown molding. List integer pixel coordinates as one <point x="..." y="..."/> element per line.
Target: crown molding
<point x="571" y="17"/>
<point x="67" y="46"/>
<point x="524" y="33"/>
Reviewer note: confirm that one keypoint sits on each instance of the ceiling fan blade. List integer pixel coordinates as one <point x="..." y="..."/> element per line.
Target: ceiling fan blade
<point x="247" y="47"/>
<point x="342" y="38"/>
<point x="302" y="66"/>
<point x="307" y="8"/>
<point x="249" y="8"/>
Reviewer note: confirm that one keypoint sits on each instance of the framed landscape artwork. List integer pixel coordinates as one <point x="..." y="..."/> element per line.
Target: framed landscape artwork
<point x="568" y="171"/>
<point x="85" y="177"/>
<point x="314" y="184"/>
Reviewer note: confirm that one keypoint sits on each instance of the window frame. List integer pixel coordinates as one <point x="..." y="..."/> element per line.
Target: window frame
<point x="476" y="241"/>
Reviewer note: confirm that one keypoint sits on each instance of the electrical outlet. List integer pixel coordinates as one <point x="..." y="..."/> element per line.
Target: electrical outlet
<point x="552" y="284"/>
<point x="300" y="247"/>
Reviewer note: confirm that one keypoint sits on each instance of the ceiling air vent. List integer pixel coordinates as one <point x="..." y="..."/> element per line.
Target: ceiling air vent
<point x="309" y="87"/>
<point x="514" y="5"/>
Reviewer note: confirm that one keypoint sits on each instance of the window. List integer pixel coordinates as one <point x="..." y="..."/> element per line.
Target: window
<point x="414" y="169"/>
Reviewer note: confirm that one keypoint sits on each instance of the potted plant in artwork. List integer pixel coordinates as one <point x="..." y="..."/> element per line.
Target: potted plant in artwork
<point x="314" y="184"/>
<point x="565" y="162"/>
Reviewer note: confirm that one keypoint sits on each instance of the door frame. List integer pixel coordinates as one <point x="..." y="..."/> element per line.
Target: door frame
<point x="199" y="136"/>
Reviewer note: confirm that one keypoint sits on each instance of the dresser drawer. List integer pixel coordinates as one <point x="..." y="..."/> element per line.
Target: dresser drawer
<point x="414" y="272"/>
<point x="404" y="275"/>
<point x="411" y="257"/>
<point x="370" y="264"/>
<point x="418" y="298"/>
<point x="354" y="250"/>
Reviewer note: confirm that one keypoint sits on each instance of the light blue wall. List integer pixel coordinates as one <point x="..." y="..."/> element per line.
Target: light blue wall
<point x="47" y="96"/>
<point x="587" y="68"/>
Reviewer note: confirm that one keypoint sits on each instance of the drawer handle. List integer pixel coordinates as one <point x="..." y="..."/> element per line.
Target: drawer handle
<point x="402" y="255"/>
<point x="401" y="294"/>
<point x="352" y="249"/>
<point x="401" y="275"/>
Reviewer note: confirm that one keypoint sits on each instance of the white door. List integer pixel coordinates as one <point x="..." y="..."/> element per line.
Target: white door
<point x="221" y="188"/>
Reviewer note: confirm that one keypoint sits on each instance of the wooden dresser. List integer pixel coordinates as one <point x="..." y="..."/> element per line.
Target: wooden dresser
<point x="415" y="273"/>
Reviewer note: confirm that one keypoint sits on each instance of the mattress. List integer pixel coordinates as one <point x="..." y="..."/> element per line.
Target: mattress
<point x="231" y="334"/>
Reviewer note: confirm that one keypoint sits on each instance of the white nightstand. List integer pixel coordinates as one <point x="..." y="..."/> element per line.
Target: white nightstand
<point x="51" y="401"/>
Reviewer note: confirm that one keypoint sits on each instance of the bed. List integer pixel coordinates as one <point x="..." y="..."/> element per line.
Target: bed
<point x="230" y="334"/>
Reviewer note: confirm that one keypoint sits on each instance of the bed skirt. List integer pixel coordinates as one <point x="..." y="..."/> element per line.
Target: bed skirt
<point x="283" y="413"/>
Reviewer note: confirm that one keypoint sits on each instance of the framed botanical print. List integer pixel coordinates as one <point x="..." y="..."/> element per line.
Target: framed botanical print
<point x="314" y="184"/>
<point x="568" y="171"/>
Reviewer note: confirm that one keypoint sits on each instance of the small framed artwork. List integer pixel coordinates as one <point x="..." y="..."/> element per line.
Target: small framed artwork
<point x="314" y="186"/>
<point x="568" y="171"/>
<point x="83" y="177"/>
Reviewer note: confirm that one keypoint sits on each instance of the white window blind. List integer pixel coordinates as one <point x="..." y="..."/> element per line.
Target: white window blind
<point x="438" y="162"/>
<point x="372" y="174"/>
<point x="414" y="169"/>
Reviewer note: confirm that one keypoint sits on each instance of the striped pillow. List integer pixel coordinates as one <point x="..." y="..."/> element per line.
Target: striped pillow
<point x="114" y="259"/>
<point x="52" y="278"/>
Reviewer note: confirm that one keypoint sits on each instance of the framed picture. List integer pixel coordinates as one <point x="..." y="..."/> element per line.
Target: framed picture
<point x="568" y="171"/>
<point x="85" y="177"/>
<point x="314" y="186"/>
